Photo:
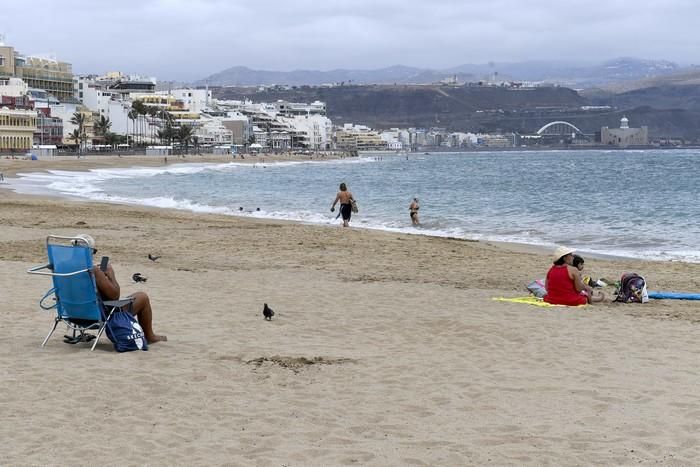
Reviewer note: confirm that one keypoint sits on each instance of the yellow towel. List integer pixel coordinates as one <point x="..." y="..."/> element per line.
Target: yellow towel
<point x="529" y="300"/>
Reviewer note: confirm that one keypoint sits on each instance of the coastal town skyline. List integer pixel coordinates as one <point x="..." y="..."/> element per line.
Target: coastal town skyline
<point x="190" y="40"/>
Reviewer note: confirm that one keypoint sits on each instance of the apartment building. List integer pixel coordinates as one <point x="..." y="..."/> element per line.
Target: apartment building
<point x="195" y="100"/>
<point x="49" y="128"/>
<point x="44" y="73"/>
<point x="240" y="127"/>
<point x="54" y="76"/>
<point x="292" y="109"/>
<point x="17" y="128"/>
<point x="358" y="138"/>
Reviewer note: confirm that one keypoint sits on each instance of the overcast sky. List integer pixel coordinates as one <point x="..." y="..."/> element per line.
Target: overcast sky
<point x="191" y="39"/>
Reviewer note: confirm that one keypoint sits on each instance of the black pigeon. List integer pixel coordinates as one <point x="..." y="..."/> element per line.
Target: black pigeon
<point x="152" y="258"/>
<point x="267" y="312"/>
<point x="137" y="277"/>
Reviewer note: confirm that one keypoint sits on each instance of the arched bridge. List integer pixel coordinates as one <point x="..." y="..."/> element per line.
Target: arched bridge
<point x="559" y="128"/>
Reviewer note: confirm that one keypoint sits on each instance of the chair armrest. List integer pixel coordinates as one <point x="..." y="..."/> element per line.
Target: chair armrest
<point x="118" y="303"/>
<point x="37" y="270"/>
<point x="47" y="295"/>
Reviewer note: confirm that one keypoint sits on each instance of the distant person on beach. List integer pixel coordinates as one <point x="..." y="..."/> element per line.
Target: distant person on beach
<point x="413" y="210"/>
<point x="2" y="177"/>
<point x="564" y="284"/>
<point x="345" y="198"/>
<point x="109" y="289"/>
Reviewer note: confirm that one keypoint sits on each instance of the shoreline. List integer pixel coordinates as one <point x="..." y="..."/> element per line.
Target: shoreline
<point x="13" y="167"/>
<point x="48" y="203"/>
<point x="86" y="163"/>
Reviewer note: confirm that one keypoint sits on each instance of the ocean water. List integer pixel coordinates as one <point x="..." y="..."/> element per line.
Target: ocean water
<point x="641" y="204"/>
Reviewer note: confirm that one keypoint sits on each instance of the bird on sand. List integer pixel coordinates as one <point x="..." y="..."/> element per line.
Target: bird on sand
<point x="137" y="277"/>
<point x="152" y="257"/>
<point x="267" y="312"/>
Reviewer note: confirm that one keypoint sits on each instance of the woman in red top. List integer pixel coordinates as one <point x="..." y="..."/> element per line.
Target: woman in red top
<point x="564" y="284"/>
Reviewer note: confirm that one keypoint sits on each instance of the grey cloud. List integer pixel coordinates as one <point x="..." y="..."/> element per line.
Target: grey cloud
<point x="191" y="39"/>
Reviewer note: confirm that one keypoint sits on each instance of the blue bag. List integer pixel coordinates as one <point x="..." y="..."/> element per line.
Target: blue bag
<point x="125" y="332"/>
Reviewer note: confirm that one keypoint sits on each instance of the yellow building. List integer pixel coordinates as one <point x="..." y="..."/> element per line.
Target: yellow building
<point x="7" y="61"/>
<point x="358" y="138"/>
<point x="89" y="135"/>
<point x="17" y="129"/>
<point x="168" y="103"/>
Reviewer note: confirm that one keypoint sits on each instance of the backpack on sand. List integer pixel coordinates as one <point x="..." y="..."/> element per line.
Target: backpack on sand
<point x="633" y="289"/>
<point x="125" y="332"/>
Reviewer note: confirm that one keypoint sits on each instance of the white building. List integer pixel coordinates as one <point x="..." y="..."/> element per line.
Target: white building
<point x="65" y="111"/>
<point x="315" y="130"/>
<point x="624" y="136"/>
<point x="13" y="87"/>
<point x="210" y="131"/>
<point x="115" y="82"/>
<point x="396" y="139"/>
<point x="195" y="100"/>
<point x="291" y="109"/>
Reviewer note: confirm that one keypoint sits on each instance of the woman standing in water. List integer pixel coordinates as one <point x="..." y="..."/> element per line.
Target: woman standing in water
<point x="413" y="210"/>
<point x="345" y="198"/>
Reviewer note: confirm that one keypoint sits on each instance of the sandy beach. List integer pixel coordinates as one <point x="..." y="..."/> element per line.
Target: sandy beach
<point x="386" y="349"/>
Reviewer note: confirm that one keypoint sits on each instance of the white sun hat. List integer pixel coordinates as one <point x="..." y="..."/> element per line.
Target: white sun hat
<point x="561" y="251"/>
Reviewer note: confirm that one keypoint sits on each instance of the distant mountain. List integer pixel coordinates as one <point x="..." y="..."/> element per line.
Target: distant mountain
<point x="243" y="76"/>
<point x="486" y="108"/>
<point x="573" y="74"/>
<point x="683" y="77"/>
<point x="387" y="106"/>
<point x="570" y="74"/>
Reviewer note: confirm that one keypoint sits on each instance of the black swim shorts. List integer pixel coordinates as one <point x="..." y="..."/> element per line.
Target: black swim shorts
<point x="346" y="211"/>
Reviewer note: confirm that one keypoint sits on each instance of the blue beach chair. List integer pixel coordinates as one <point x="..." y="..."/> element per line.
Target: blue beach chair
<point x="77" y="301"/>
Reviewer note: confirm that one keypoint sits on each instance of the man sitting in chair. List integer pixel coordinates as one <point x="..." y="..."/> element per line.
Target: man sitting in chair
<point x="109" y="289"/>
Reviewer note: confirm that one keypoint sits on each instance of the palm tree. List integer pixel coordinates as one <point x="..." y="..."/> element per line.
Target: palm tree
<point x="153" y="113"/>
<point x="102" y="126"/>
<point x="165" y="116"/>
<point x="185" y="135"/>
<point x="78" y="119"/>
<point x="166" y="134"/>
<point x="140" y="109"/>
<point x="75" y="134"/>
<point x="162" y="136"/>
<point x="113" y="139"/>
<point x="133" y="115"/>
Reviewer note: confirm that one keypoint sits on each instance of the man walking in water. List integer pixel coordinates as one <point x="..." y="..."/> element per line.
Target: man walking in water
<point x="345" y="198"/>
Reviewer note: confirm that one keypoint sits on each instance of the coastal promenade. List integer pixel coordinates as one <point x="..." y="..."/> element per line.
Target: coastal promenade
<point x="386" y="349"/>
